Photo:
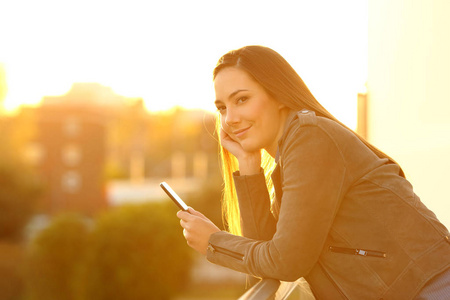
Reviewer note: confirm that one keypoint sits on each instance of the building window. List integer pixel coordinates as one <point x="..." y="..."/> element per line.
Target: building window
<point x="72" y="126"/>
<point x="34" y="153"/>
<point x="71" y="155"/>
<point x="71" y="182"/>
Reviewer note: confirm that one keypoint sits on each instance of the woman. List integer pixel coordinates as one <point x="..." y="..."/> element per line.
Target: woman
<point x="306" y="197"/>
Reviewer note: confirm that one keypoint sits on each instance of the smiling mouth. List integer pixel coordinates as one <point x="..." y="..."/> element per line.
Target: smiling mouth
<point x="241" y="132"/>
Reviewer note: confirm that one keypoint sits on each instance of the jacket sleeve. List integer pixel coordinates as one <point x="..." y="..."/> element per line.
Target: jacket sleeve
<point x="257" y="221"/>
<point x="313" y="185"/>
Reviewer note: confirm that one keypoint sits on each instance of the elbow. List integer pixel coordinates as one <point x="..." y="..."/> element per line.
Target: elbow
<point x="291" y="270"/>
<point x="286" y="273"/>
<point x="290" y="277"/>
<point x="287" y="265"/>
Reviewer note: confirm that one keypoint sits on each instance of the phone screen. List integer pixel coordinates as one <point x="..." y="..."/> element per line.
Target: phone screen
<point x="180" y="203"/>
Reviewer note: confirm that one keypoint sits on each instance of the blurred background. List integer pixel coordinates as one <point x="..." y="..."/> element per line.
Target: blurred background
<point x="102" y="100"/>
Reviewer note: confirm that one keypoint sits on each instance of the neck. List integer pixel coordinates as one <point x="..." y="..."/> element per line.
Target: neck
<point x="274" y="147"/>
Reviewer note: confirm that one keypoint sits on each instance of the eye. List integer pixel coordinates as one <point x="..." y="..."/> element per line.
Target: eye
<point x="241" y="100"/>
<point x="221" y="109"/>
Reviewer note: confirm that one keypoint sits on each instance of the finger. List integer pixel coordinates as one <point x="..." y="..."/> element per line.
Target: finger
<point x="184" y="215"/>
<point x="183" y="223"/>
<point x="224" y="135"/>
<point x="223" y="132"/>
<point x="187" y="237"/>
<point x="196" y="213"/>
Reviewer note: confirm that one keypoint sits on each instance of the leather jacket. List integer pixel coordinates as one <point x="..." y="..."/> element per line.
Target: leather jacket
<point x="343" y="218"/>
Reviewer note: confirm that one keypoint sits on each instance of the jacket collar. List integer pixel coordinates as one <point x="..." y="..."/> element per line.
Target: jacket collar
<point x="291" y="116"/>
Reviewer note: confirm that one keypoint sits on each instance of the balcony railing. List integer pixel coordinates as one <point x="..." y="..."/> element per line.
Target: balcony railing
<point x="272" y="289"/>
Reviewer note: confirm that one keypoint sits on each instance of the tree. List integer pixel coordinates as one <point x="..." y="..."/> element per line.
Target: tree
<point x="56" y="258"/>
<point x="19" y="190"/>
<point x="137" y="252"/>
<point x="20" y="186"/>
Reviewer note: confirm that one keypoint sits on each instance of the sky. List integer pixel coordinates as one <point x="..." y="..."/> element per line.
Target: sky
<point x="165" y="51"/>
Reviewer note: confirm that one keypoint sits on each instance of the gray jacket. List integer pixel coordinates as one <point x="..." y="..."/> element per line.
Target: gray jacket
<point x="343" y="219"/>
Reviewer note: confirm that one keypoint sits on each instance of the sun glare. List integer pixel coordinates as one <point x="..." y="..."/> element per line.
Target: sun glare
<point x="164" y="55"/>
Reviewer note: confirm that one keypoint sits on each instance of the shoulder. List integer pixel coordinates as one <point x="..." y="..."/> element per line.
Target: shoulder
<point x="306" y="122"/>
<point x="307" y="132"/>
<point x="306" y="118"/>
<point x="310" y="136"/>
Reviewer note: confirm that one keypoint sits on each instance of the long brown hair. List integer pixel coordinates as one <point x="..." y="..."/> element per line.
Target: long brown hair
<point x="281" y="82"/>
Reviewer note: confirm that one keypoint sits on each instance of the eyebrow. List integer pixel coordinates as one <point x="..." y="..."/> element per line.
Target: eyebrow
<point x="232" y="95"/>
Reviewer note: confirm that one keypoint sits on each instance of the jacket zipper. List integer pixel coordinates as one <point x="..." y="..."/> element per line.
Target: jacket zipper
<point x="360" y="252"/>
<point x="217" y="249"/>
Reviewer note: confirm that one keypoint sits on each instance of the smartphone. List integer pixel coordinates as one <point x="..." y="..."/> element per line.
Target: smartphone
<point x="180" y="203"/>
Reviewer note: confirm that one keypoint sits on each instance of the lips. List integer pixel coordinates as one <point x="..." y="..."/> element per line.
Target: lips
<point x="241" y="132"/>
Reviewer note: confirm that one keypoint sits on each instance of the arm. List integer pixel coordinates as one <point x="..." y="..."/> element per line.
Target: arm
<point x="314" y="173"/>
<point x="197" y="229"/>
<point x="257" y="221"/>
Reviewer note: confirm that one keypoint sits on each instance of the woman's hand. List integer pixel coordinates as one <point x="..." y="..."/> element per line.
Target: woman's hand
<point x="249" y="162"/>
<point x="231" y="145"/>
<point x="196" y="229"/>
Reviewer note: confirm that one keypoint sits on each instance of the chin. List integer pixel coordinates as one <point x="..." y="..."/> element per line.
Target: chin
<point x="250" y="148"/>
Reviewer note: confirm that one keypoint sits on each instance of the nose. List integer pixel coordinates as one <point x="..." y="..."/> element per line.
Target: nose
<point x="231" y="117"/>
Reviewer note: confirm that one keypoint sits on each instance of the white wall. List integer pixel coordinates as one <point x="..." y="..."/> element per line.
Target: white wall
<point x="409" y="93"/>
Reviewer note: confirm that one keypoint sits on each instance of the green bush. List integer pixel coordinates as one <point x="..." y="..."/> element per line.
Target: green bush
<point x="137" y="252"/>
<point x="11" y="262"/>
<point x="55" y="259"/>
<point x="19" y="190"/>
<point x="132" y="252"/>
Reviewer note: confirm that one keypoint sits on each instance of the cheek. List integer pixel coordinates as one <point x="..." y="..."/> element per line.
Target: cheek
<point x="224" y="126"/>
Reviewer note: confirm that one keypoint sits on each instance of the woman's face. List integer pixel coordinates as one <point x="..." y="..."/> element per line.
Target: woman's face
<point x="249" y="115"/>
